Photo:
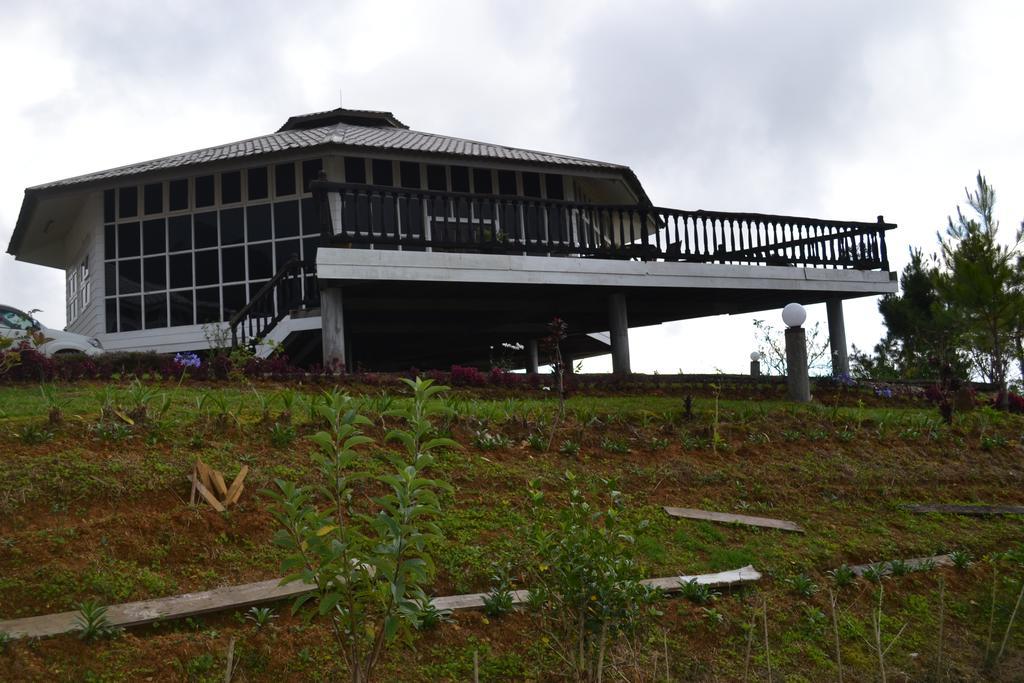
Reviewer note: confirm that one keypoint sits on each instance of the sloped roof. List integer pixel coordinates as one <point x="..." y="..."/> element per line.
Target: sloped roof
<point x="341" y="135"/>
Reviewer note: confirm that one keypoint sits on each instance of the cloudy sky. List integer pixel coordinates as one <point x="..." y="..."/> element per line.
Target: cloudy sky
<point x="843" y="110"/>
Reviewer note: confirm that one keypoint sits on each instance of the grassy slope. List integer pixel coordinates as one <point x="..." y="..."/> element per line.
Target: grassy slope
<point x="89" y="512"/>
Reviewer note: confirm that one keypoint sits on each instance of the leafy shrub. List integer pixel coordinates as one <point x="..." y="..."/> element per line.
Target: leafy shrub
<point x="467" y="377"/>
<point x="961" y="559"/>
<point x="428" y="616"/>
<point x="367" y="569"/>
<point x="281" y="435"/>
<point x="261" y="616"/>
<point x="585" y="580"/>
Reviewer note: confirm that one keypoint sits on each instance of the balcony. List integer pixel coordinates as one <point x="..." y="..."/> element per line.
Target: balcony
<point x="362" y="216"/>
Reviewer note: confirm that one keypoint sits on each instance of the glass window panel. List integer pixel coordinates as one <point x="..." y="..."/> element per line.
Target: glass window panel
<point x="436" y="179"/>
<point x="258" y="218"/>
<point x="553" y="185"/>
<point x="507" y="183"/>
<point x="409" y="174"/>
<point x="261" y="260"/>
<point x="482" y="183"/>
<point x="127" y="239"/>
<point x="285" y="250"/>
<point x="109" y="206"/>
<point x="204" y="191"/>
<point x="383" y="172"/>
<point x="257" y="182"/>
<point x="181" y="308"/>
<point x="156" y="310"/>
<point x="207" y="268"/>
<point x="111" y="306"/>
<point x="177" y="194"/>
<point x="310" y="171"/>
<point x="127" y="202"/>
<point x="154" y="238"/>
<point x="310" y="218"/>
<point x="179" y="233"/>
<point x="234" y="300"/>
<point x="531" y="184"/>
<point x="232" y="228"/>
<point x="460" y="179"/>
<point x="153" y="198"/>
<point x="231" y="187"/>
<point x="154" y="271"/>
<point x="129" y="276"/>
<point x="205" y="229"/>
<point x="355" y="170"/>
<point x="232" y="264"/>
<point x="131" y="313"/>
<point x="284" y="179"/>
<point x="286" y="219"/>
<point x="208" y="305"/>
<point x="181" y="270"/>
<point x="109" y="242"/>
<point x="309" y="247"/>
<point x="110" y="278"/>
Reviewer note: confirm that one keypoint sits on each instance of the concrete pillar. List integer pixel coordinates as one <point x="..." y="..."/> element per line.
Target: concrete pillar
<point x="837" y="337"/>
<point x="618" y="324"/>
<point x="755" y="368"/>
<point x="532" y="356"/>
<point x="798" y="384"/>
<point x="333" y="322"/>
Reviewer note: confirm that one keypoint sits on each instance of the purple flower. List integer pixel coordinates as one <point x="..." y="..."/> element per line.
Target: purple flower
<point x="187" y="360"/>
<point x="844" y="379"/>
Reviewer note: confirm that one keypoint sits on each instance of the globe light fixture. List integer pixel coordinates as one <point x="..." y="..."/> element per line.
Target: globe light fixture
<point x="794" y="315"/>
<point x="755" y="356"/>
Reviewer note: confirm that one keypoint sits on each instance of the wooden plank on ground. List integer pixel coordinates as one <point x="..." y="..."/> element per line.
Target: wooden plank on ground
<point x="977" y="510"/>
<point x="236" y="486"/>
<point x="246" y="595"/>
<point x="207" y="496"/>
<point x="913" y="563"/>
<point x="219" y="487"/>
<point x="707" y="515"/>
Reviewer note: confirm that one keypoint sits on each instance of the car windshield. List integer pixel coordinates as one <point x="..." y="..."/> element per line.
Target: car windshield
<point x="15" y="320"/>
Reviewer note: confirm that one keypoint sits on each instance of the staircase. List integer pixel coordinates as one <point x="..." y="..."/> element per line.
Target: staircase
<point x="288" y="303"/>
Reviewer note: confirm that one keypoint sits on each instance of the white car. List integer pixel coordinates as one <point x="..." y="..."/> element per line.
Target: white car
<point x="16" y="325"/>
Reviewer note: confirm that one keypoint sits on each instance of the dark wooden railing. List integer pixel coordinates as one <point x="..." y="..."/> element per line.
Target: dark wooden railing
<point x="362" y="215"/>
<point x="291" y="288"/>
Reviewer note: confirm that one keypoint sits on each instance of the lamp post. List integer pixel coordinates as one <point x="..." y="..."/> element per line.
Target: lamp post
<point x="755" y="364"/>
<point x="798" y="384"/>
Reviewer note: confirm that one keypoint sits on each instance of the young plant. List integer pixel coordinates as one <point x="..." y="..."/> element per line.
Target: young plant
<point x="54" y="404"/>
<point x="585" y="581"/>
<point x="92" y="621"/>
<point x="367" y="567"/>
<point x="875" y="572"/>
<point x="899" y="568"/>
<point x="570" y="448"/>
<point x="961" y="559"/>
<point x="842" y="576"/>
<point x="428" y="615"/>
<point x="499" y="600"/>
<point x="537" y="442"/>
<point x="611" y="445"/>
<point x="803" y="585"/>
<point x="697" y="593"/>
<point x="261" y="616"/>
<point x="489" y="441"/>
<point x="281" y="435"/>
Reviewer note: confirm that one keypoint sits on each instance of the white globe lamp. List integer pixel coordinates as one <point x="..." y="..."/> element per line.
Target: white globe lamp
<point x="794" y="315"/>
<point x="755" y="356"/>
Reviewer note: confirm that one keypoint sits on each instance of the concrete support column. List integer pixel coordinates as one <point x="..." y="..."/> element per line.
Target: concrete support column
<point x="618" y="325"/>
<point x="798" y="384"/>
<point x="837" y="337"/>
<point x="532" y="356"/>
<point x="333" y="321"/>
